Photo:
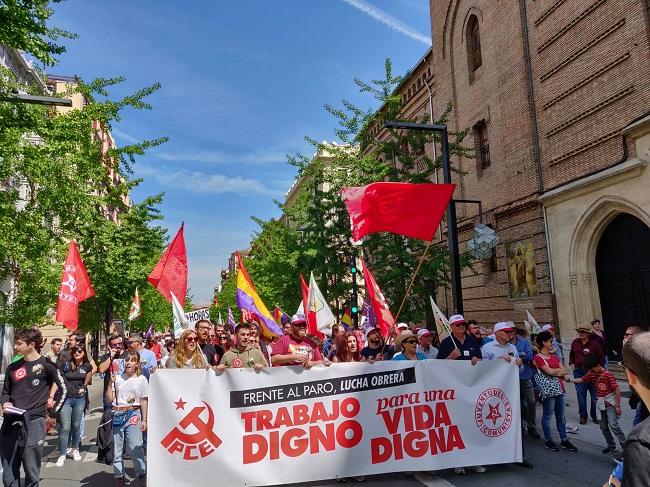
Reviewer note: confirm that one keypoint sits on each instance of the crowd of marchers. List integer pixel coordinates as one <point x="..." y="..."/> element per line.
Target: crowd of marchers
<point x="49" y="393"/>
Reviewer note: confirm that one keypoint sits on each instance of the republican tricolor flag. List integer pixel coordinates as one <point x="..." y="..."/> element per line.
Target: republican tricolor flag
<point x="75" y="288"/>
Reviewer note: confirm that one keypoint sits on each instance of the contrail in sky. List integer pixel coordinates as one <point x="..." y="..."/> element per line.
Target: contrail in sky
<point x="387" y="19"/>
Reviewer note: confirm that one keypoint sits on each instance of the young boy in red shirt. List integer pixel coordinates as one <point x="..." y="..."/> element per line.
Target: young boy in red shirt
<point x="609" y="401"/>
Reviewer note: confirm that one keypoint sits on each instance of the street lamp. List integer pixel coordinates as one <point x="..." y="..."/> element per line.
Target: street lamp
<point x="38" y="100"/>
<point x="452" y="224"/>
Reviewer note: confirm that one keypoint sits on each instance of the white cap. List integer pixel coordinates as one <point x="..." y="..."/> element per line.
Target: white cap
<point x="298" y="318"/>
<point x="424" y="332"/>
<point x="456" y="319"/>
<point x="402" y="326"/>
<point x="547" y="327"/>
<point x="504" y="326"/>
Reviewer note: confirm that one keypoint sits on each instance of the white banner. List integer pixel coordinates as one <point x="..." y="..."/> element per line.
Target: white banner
<point x="193" y="317"/>
<point x="286" y="424"/>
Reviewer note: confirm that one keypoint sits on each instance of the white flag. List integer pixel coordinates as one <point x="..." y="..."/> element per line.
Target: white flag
<point x="535" y="328"/>
<point x="180" y="321"/>
<point x="442" y="323"/>
<point x="325" y="319"/>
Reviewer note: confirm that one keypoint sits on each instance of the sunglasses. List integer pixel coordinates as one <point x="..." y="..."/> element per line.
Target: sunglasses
<point x="191" y="339"/>
<point x="410" y="342"/>
<point x="116" y="346"/>
<point x="78" y="350"/>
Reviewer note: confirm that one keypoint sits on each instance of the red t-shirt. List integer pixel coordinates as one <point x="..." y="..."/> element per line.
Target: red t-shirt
<point x="287" y="345"/>
<point x="605" y="382"/>
<point x="552" y="362"/>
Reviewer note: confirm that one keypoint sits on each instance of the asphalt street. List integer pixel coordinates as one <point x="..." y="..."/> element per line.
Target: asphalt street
<point x="587" y="467"/>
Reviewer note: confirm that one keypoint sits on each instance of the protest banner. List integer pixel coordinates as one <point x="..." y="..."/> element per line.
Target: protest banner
<point x="295" y="425"/>
<point x="193" y="317"/>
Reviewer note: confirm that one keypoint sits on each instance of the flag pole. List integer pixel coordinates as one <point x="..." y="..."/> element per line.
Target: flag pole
<point x="417" y="271"/>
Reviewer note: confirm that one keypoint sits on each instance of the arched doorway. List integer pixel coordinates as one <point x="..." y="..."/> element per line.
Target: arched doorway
<point x="623" y="270"/>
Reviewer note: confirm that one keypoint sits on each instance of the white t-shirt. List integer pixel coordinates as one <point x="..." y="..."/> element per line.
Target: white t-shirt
<point x="130" y="390"/>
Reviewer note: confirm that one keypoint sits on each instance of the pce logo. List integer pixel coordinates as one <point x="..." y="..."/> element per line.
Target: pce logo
<point x="194" y="436"/>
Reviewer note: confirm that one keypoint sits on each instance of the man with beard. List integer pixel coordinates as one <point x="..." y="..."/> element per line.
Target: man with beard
<point x="296" y="348"/>
<point x="243" y="354"/>
<point x="376" y="348"/>
<point x="212" y="352"/>
<point x="474" y="330"/>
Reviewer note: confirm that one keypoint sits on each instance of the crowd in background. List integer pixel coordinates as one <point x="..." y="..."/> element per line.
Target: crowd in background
<point x="60" y="380"/>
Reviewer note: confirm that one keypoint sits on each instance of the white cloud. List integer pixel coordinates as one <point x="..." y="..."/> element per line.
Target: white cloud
<point x="124" y="136"/>
<point x="217" y="157"/>
<point x="203" y="183"/>
<point x="387" y="19"/>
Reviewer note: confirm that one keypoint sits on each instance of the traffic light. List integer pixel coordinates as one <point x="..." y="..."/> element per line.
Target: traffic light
<point x="353" y="266"/>
<point x="354" y="306"/>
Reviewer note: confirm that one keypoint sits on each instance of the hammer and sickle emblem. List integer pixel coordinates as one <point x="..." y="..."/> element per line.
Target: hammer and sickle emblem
<point x="71" y="282"/>
<point x="204" y="429"/>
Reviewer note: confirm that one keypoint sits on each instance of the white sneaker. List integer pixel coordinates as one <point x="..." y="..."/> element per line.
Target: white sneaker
<point x="75" y="455"/>
<point x="68" y="451"/>
<point x="60" y="461"/>
<point x="459" y="471"/>
<point x="479" y="469"/>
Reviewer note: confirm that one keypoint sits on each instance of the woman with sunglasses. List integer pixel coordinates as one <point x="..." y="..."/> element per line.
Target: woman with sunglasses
<point x="77" y="372"/>
<point x="187" y="354"/>
<point x="408" y="342"/>
<point x="225" y="341"/>
<point x="128" y="395"/>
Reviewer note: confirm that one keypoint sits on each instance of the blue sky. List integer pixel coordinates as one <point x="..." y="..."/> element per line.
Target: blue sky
<point x="242" y="83"/>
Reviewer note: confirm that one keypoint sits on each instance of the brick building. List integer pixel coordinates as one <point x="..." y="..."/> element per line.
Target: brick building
<point x="556" y="94"/>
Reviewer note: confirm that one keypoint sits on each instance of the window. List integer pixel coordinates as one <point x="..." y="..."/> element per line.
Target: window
<point x="473" y="41"/>
<point x="482" y="145"/>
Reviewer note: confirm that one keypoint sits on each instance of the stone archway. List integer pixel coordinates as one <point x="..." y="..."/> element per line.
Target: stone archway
<point x="583" y="249"/>
<point x="623" y="274"/>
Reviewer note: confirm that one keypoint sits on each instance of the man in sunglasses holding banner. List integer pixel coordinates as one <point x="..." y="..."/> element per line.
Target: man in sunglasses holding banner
<point x="112" y="362"/>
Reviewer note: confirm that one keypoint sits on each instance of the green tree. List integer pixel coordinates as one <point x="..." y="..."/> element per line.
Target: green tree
<point x="23" y="25"/>
<point x="57" y="186"/>
<point x="322" y="220"/>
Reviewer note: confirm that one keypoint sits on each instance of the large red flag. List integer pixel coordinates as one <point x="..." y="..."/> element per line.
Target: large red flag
<point x="412" y="210"/>
<point x="170" y="273"/>
<point x="312" y="324"/>
<point x="75" y="288"/>
<point x="385" y="319"/>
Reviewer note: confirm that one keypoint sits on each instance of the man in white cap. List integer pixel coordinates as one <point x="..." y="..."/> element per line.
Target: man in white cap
<point x="295" y="348"/>
<point x="501" y="347"/>
<point x="403" y="328"/>
<point x="425" y="346"/>
<point x="376" y="349"/>
<point x="459" y="345"/>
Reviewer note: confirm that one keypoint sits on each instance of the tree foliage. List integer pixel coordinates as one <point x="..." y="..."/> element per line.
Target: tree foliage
<point x="60" y="183"/>
<point x="314" y="232"/>
<point x="24" y="26"/>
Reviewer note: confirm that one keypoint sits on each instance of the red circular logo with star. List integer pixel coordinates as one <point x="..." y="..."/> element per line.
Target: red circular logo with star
<point x="493" y="412"/>
<point x="20" y="374"/>
<point x="237" y="362"/>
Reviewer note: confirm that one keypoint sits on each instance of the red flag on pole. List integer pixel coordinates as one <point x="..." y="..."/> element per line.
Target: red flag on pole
<point x="312" y="324"/>
<point x="412" y="210"/>
<point x="170" y="273"/>
<point x="75" y="288"/>
<point x="385" y="319"/>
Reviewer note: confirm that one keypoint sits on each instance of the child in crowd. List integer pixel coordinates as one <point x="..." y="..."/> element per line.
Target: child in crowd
<point x="609" y="401"/>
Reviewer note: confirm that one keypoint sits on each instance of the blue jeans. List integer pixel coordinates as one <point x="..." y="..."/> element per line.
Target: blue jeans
<point x="581" y="392"/>
<point x="609" y="421"/>
<point x="70" y="418"/>
<point x="550" y="406"/>
<point x="128" y="435"/>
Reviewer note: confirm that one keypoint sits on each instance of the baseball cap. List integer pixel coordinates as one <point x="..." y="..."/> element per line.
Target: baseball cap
<point x="504" y="326"/>
<point x="402" y="326"/>
<point x="424" y="332"/>
<point x="547" y="327"/>
<point x="298" y="319"/>
<point x="453" y="319"/>
<point x="370" y="330"/>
